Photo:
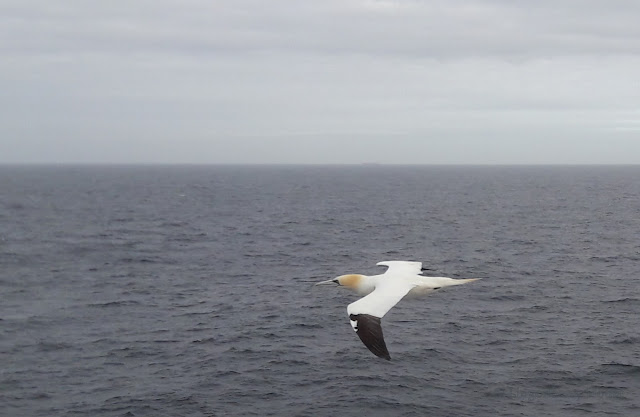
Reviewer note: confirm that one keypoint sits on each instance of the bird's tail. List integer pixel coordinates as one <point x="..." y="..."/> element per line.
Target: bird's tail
<point x="464" y="281"/>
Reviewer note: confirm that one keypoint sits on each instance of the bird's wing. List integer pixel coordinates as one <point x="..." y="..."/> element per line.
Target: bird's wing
<point x="365" y="314"/>
<point x="403" y="267"/>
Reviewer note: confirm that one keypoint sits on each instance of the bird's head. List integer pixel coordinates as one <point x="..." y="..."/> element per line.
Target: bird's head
<point x="352" y="281"/>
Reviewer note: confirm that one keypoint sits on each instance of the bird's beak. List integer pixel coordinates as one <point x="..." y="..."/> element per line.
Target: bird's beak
<point x="327" y="282"/>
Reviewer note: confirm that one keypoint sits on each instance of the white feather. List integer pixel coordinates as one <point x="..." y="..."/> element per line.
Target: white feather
<point x="387" y="293"/>
<point x="402" y="267"/>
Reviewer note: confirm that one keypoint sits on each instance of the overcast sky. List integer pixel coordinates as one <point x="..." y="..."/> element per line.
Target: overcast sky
<point x="320" y="81"/>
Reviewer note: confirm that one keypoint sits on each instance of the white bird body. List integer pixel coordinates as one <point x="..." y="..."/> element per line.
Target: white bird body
<point x="381" y="292"/>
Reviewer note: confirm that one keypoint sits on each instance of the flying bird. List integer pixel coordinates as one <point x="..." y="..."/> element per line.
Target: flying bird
<point x="381" y="292"/>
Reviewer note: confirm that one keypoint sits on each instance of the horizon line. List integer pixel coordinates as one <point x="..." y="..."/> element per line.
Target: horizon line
<point x="318" y="164"/>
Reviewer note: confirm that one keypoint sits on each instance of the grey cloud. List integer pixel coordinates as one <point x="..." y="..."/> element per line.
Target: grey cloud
<point x="318" y="81"/>
<point x="440" y="29"/>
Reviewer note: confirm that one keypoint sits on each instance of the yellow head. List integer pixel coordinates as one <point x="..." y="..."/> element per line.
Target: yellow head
<point x="352" y="281"/>
<point x="356" y="282"/>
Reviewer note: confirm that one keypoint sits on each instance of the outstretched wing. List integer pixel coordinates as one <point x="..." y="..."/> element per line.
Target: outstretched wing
<point x="402" y="267"/>
<point x="365" y="314"/>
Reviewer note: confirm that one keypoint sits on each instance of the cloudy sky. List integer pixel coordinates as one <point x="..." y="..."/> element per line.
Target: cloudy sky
<point x="331" y="81"/>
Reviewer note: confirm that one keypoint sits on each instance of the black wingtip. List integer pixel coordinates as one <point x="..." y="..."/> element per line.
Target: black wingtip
<point x="369" y="330"/>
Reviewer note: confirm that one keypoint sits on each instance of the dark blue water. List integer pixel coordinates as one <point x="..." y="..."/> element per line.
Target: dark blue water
<point x="187" y="291"/>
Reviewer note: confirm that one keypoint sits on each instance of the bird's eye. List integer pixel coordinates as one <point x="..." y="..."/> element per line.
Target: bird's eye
<point x="436" y="288"/>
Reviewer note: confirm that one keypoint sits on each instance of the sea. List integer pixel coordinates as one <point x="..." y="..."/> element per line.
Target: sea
<point x="188" y="290"/>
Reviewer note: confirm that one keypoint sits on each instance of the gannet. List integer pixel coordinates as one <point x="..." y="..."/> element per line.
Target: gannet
<point x="381" y="292"/>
